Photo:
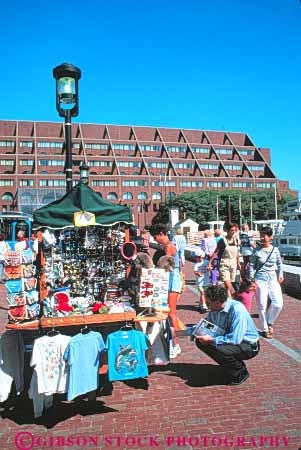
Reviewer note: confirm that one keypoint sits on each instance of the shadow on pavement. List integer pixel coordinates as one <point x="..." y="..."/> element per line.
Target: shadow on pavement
<point x="20" y="411"/>
<point x="195" y="375"/>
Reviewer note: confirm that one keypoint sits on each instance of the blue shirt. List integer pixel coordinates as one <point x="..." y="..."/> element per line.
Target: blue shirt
<point x="126" y="355"/>
<point x="83" y="357"/>
<point x="267" y="268"/>
<point x="237" y="323"/>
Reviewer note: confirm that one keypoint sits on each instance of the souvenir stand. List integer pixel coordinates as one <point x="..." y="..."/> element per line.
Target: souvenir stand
<point x="77" y="272"/>
<point x="80" y="238"/>
<point x="81" y="270"/>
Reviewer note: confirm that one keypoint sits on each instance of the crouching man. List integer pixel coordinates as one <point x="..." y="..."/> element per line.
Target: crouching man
<point x="238" y="340"/>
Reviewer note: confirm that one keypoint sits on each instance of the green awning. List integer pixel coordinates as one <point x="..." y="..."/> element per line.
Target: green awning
<point x="60" y="214"/>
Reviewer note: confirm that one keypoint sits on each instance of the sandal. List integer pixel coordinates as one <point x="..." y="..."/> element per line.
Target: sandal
<point x="270" y="331"/>
<point x="266" y="335"/>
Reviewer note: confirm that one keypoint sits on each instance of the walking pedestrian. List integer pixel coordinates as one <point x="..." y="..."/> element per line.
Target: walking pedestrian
<point x="267" y="271"/>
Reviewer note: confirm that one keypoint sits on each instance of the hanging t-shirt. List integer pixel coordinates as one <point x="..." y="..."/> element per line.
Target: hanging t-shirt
<point x="48" y="360"/>
<point x="83" y="357"/>
<point x="126" y="355"/>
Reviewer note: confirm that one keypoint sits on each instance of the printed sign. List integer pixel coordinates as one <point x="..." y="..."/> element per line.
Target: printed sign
<point x="84" y="219"/>
<point x="153" y="288"/>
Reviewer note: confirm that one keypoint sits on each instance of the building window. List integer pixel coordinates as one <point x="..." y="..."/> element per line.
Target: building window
<point x="200" y="150"/>
<point x="26" y="162"/>
<point x="124" y="146"/>
<point x="52" y="183"/>
<point x="150" y="148"/>
<point x="142" y="196"/>
<point x="104" y="183"/>
<point x="241" y="184"/>
<point x="7" y="197"/>
<point x="112" y="196"/>
<point x="7" y="143"/>
<point x="217" y="184"/>
<point x="51" y="162"/>
<point x="232" y="167"/>
<point x="127" y="196"/>
<point x="265" y="185"/>
<point x="26" y="183"/>
<point x="95" y="146"/>
<point x="184" y="165"/>
<point x="223" y="151"/>
<point x="94" y="163"/>
<point x="7" y="162"/>
<point x="157" y="165"/>
<point x="6" y="183"/>
<point x="173" y="148"/>
<point x="245" y="152"/>
<point x="209" y="166"/>
<point x="191" y="183"/>
<point x="134" y="182"/>
<point x="260" y="168"/>
<point x="26" y="144"/>
<point x="128" y="164"/>
<point x="47" y="144"/>
<point x="157" y="196"/>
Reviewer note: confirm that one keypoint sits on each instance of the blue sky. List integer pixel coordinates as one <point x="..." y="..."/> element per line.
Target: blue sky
<point x="218" y="65"/>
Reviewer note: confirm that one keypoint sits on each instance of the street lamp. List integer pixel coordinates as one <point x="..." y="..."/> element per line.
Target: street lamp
<point x="84" y="173"/>
<point x="67" y="76"/>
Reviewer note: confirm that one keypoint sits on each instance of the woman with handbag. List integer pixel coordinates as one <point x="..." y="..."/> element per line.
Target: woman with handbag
<point x="266" y="270"/>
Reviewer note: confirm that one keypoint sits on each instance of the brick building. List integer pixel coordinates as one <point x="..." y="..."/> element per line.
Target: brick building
<point x="138" y="166"/>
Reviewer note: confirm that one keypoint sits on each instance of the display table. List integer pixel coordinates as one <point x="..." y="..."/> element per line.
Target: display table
<point x="49" y="322"/>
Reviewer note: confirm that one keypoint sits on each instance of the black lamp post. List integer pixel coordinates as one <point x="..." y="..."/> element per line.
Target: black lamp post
<point x="84" y="173"/>
<point x="67" y="77"/>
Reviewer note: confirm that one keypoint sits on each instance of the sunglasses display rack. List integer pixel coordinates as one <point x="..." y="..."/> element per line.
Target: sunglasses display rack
<point x="86" y="262"/>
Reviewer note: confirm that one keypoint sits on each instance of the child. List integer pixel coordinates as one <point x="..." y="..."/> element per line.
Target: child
<point x="202" y="278"/>
<point x="245" y="293"/>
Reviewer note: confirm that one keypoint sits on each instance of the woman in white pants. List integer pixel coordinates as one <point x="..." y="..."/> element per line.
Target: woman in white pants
<point x="266" y="269"/>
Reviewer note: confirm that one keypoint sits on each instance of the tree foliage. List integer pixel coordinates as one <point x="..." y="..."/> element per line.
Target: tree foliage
<point x="202" y="206"/>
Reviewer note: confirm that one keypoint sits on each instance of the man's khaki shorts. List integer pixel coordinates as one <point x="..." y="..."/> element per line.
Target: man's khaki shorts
<point x="227" y="273"/>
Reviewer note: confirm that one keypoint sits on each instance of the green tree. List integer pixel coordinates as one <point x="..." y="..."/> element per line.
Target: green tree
<point x="201" y="206"/>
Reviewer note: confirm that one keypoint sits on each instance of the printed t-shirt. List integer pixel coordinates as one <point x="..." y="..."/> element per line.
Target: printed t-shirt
<point x="126" y="355"/>
<point x="48" y="360"/>
<point x="83" y="357"/>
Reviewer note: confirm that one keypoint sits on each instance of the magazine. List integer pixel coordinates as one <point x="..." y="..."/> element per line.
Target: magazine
<point x="207" y="328"/>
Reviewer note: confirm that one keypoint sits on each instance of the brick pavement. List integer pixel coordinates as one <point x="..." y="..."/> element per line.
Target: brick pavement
<point x="184" y="399"/>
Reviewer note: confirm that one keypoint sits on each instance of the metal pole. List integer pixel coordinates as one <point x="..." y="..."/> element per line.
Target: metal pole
<point x="217" y="211"/>
<point x="251" y="212"/>
<point x="276" y="206"/>
<point x="240" y="211"/>
<point x="68" y="143"/>
<point x="229" y="210"/>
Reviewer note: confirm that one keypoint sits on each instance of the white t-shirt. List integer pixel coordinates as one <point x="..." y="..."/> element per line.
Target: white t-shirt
<point x="204" y="279"/>
<point x="48" y="360"/>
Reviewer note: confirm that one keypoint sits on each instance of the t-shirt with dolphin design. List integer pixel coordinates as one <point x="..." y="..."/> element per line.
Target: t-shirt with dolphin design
<point x="126" y="355"/>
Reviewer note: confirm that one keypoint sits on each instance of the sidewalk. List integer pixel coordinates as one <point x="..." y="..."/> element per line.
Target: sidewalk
<point x="182" y="405"/>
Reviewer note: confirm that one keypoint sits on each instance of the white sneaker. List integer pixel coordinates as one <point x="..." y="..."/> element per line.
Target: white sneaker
<point x="175" y="350"/>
